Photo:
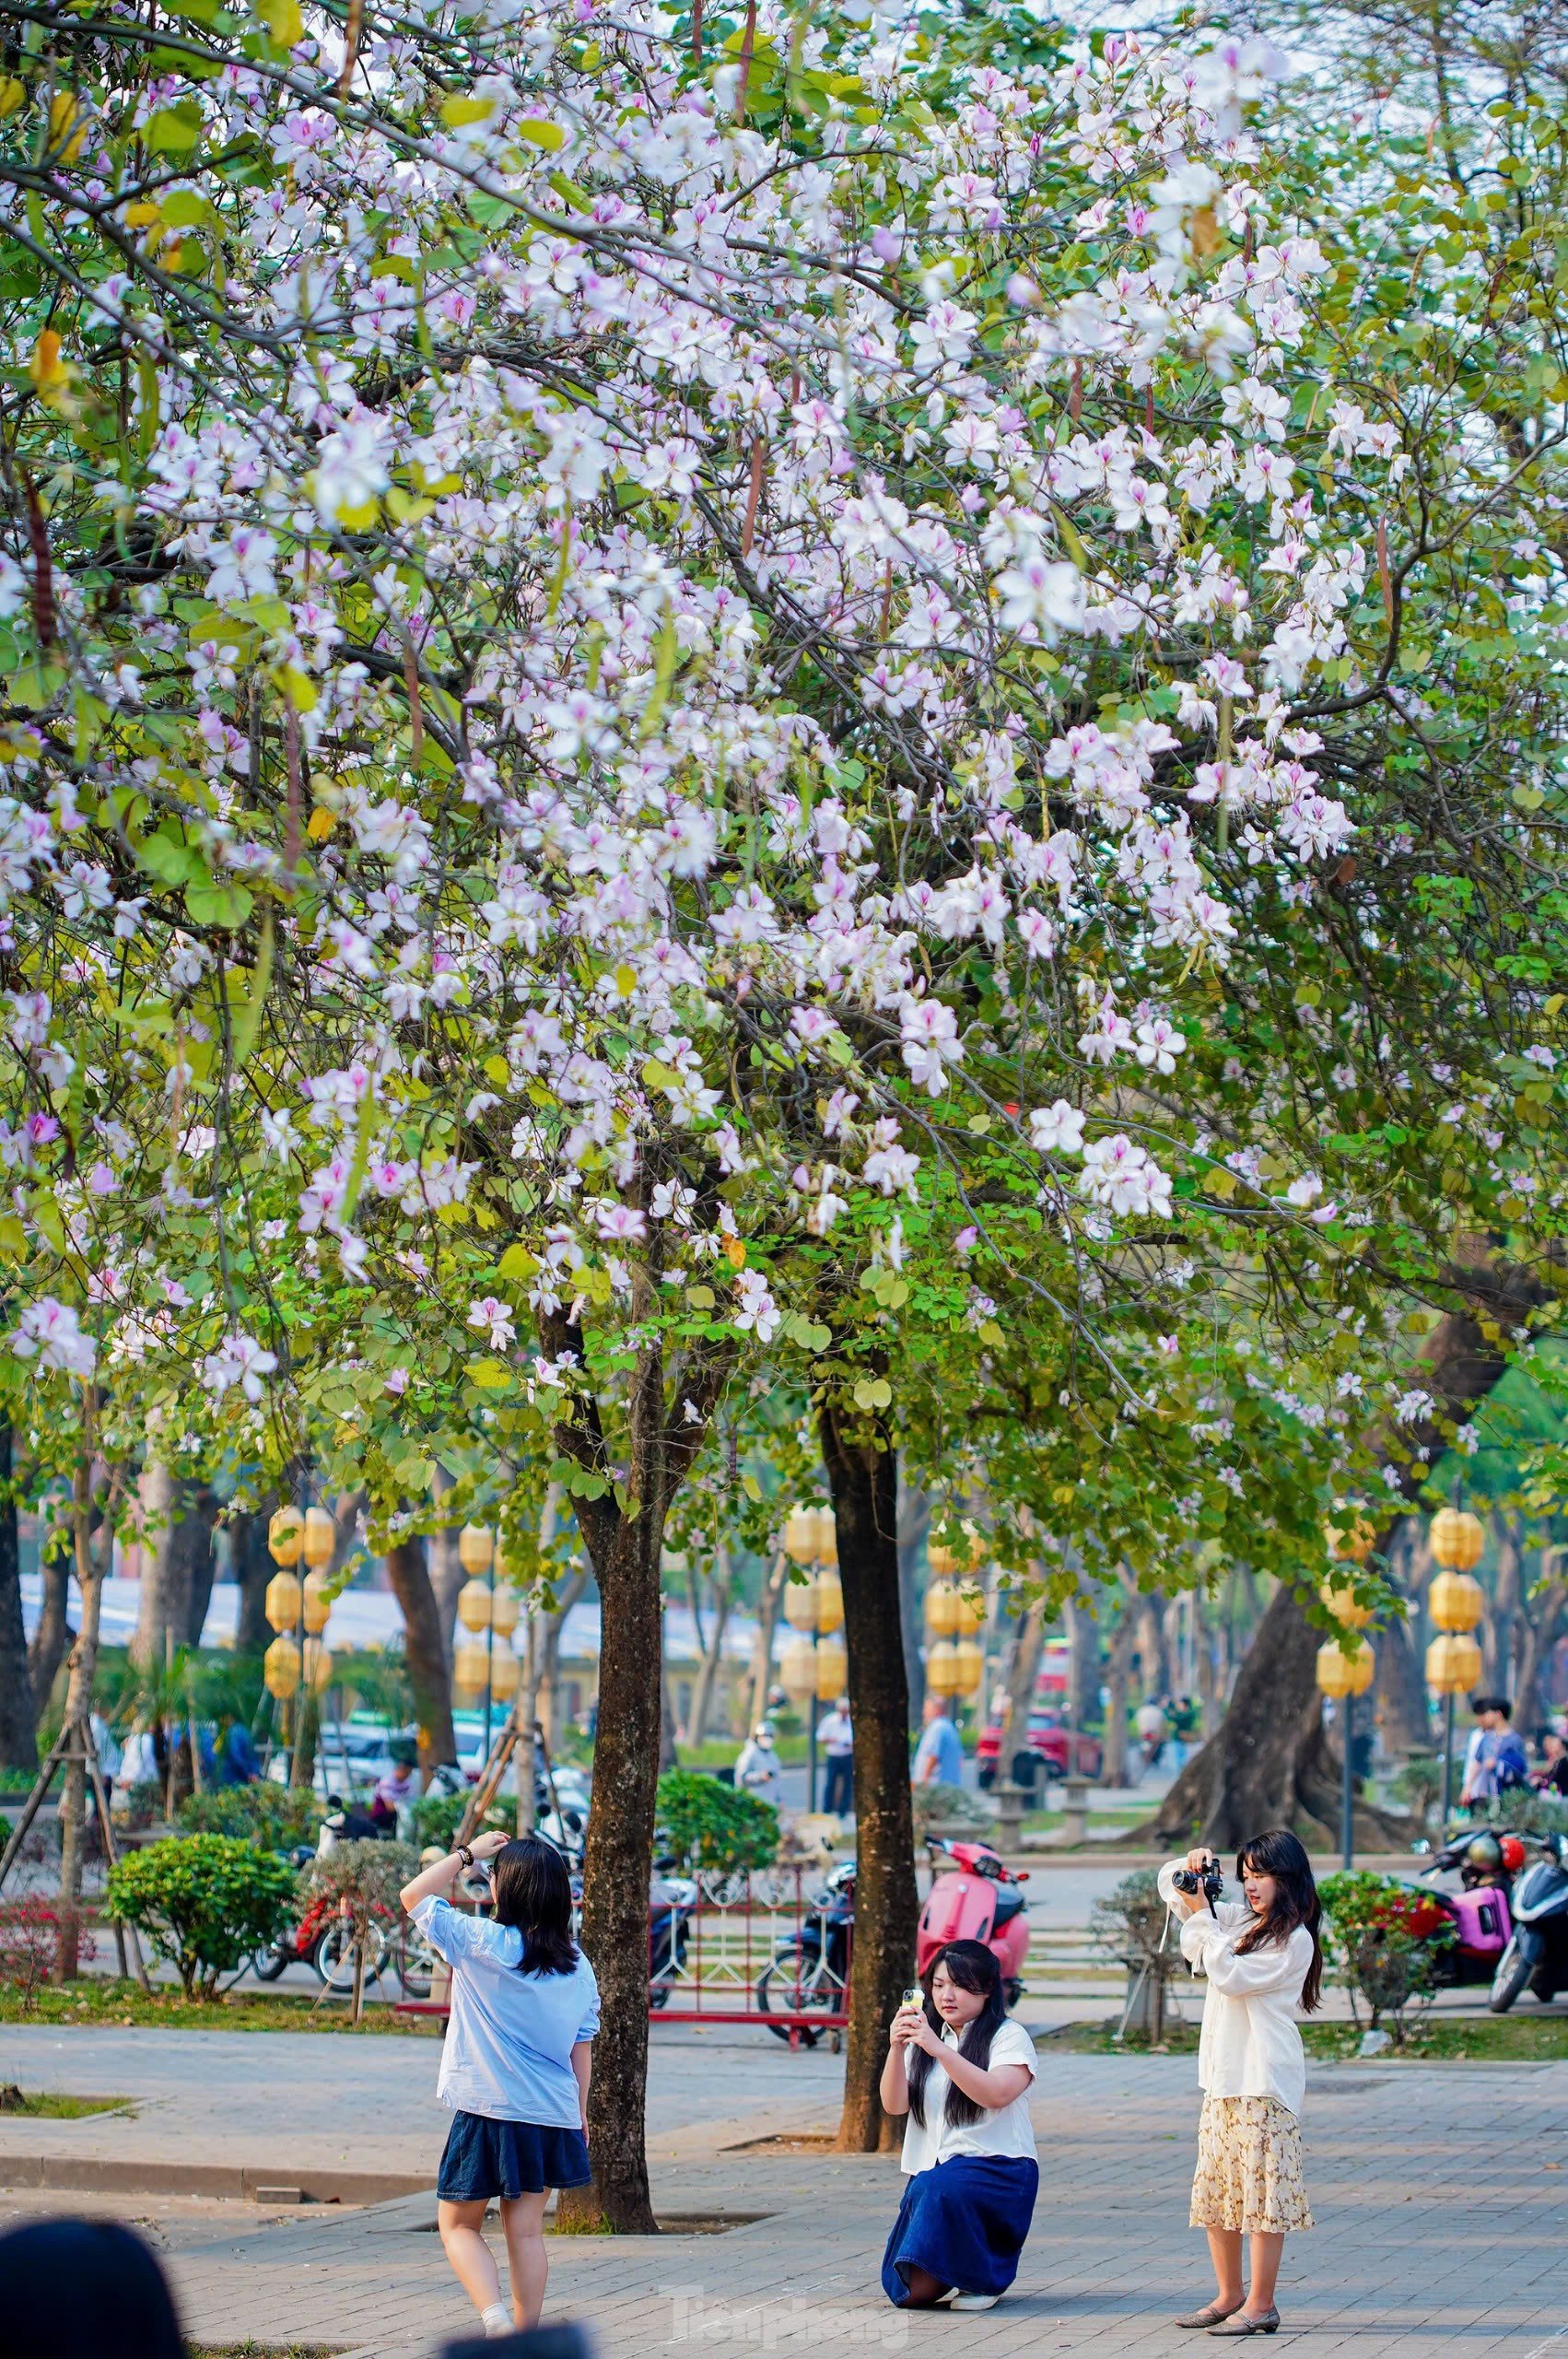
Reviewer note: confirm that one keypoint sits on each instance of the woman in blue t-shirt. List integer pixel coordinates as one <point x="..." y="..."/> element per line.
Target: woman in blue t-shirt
<point x="515" y="2064"/>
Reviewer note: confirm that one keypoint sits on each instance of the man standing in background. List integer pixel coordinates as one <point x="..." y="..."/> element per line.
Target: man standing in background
<point x="835" y="1734"/>
<point x="938" y="1756"/>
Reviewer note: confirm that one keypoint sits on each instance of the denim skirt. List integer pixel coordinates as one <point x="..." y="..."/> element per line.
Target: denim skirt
<point x="484" y="2159"/>
<point x="963" y="2222"/>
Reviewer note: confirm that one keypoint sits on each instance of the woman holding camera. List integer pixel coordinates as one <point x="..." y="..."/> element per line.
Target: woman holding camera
<point x="1261" y="1960"/>
<point x="961" y="2071"/>
<point x="515" y="2062"/>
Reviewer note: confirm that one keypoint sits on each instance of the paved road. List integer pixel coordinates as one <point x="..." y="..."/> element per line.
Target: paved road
<point x="1440" y="2225"/>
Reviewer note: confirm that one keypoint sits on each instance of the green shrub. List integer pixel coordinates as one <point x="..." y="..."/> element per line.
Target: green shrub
<point x="437" y="1818"/>
<point x="277" y="1817"/>
<point x="204" y="1901"/>
<point x="1528" y="1811"/>
<point x="1130" y="1925"/>
<point x="948" y="1806"/>
<point x="369" y="1874"/>
<point x="709" y="1824"/>
<point x="1382" y="1944"/>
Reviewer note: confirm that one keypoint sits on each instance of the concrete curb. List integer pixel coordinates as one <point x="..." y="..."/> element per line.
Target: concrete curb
<point x="99" y="2175"/>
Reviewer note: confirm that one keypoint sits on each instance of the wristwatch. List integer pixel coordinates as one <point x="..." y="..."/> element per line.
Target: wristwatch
<point x="465" y="1854"/>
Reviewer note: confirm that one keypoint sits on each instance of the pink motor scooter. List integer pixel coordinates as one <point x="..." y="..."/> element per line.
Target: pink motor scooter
<point x="976" y="1899"/>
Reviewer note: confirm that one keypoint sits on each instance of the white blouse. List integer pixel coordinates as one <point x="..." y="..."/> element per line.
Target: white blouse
<point x="1249" y="2045"/>
<point x="1004" y="2130"/>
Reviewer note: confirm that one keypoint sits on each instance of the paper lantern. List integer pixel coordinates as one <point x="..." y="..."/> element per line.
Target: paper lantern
<point x="1351" y="1541"/>
<point x="942" y="1609"/>
<point x="826" y="1537"/>
<point x="471" y="1661"/>
<point x="320" y="1537"/>
<point x="473" y="1605"/>
<point x="503" y="1671"/>
<point x="1453" y="1663"/>
<point x="948" y="1563"/>
<point x="970" y="1663"/>
<point x="799" y="1535"/>
<point x="1342" y="1605"/>
<point x="829" y="1600"/>
<point x="280" y="1668"/>
<point x="285" y="1534"/>
<point x="282" y="1600"/>
<point x="1456" y="1600"/>
<point x="506" y="1611"/>
<point x="475" y="1546"/>
<point x="1345" y="1670"/>
<point x="941" y="1669"/>
<point x="971" y="1613"/>
<point x="832" y="1669"/>
<point x="1456" y="1540"/>
<point x="318" y="1666"/>
<point x="801" y="1604"/>
<point x="797" y="1670"/>
<point x="318" y="1604"/>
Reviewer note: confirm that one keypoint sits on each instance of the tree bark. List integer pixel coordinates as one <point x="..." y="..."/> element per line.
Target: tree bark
<point x="410" y="1578"/>
<point x="1118" y="1670"/>
<point x="1269" y="1763"/>
<point x="18" y="1742"/>
<point x="53" y="1632"/>
<point x="163" y="1594"/>
<point x="1028" y="1647"/>
<point x="914" y="1523"/>
<point x="196" y="1538"/>
<point x="863" y="1481"/>
<point x="767" y="1611"/>
<point x="78" y="1704"/>
<point x="447" y="1575"/>
<point x="253" y="1569"/>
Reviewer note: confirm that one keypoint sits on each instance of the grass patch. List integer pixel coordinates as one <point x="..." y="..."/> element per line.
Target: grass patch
<point x="263" y="2350"/>
<point x="96" y="2001"/>
<point x="1482" y="2039"/>
<point x="54" y="2104"/>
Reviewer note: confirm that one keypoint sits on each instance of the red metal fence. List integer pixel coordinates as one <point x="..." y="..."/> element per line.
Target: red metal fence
<point x="770" y="1947"/>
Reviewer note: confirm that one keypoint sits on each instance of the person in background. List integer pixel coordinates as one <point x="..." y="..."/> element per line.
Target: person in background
<point x="757" y="1769"/>
<point x="106" y="1747"/>
<point x="1551" y="1777"/>
<point x="85" y="2289"/>
<point x="1495" y="1759"/>
<point x="835" y="1734"/>
<point x="1152" y="1729"/>
<point x="938" y="1756"/>
<point x="400" y="1786"/>
<point x="237" y="1762"/>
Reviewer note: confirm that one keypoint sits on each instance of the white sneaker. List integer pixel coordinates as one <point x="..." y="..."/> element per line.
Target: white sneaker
<point x="974" y="2301"/>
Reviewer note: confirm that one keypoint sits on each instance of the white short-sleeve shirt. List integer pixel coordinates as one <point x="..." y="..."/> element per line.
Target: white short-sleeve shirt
<point x="1004" y="2129"/>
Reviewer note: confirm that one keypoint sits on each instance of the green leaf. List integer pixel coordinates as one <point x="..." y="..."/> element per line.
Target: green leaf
<point x="224" y="905"/>
<point x="175" y="130"/>
<point x="489" y="1375"/>
<point x="538" y="133"/>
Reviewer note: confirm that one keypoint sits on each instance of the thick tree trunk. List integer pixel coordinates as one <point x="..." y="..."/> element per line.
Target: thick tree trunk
<point x="196" y="1538"/>
<point x="1118" y="1672"/>
<point x="163" y="1594"/>
<point x="447" y="1575"/>
<point x="18" y="1743"/>
<point x="914" y="1523"/>
<point x="53" y="1633"/>
<point x="410" y="1578"/>
<point x="253" y="1569"/>
<point x="862" y="1477"/>
<point x="79" y="1708"/>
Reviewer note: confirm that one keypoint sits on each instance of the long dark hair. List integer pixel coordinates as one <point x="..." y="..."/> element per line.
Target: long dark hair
<point x="973" y="1968"/>
<point x="1280" y="1855"/>
<point x="532" y="1891"/>
<point x="79" y="2288"/>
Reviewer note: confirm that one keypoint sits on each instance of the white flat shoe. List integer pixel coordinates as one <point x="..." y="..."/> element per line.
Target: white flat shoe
<point x="974" y="2301"/>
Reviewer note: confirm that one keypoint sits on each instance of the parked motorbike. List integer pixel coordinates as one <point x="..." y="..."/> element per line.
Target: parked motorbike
<point x="811" y="1968"/>
<point x="1537" y="1953"/>
<point x="1480" y="1912"/>
<point x="671" y="1901"/>
<point x="323" y="1940"/>
<point x="976" y="1899"/>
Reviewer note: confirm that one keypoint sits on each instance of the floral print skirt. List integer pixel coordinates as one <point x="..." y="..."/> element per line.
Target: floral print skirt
<point x="1248" y="2174"/>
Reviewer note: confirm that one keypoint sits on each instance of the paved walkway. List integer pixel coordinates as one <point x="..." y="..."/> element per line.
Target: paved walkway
<point x="1441" y="2217"/>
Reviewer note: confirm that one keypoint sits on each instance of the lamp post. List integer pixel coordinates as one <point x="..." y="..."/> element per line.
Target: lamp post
<point x="813" y="1665"/>
<point x="1455" y="1602"/>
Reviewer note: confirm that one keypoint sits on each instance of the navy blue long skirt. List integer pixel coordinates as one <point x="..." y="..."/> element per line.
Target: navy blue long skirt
<point x="963" y="2222"/>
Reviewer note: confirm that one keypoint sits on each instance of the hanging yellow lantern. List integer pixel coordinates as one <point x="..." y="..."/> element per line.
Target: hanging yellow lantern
<point x="470" y="1663"/>
<point x="1453" y="1663"/>
<point x="797" y="1670"/>
<point x="941" y="1669"/>
<point x="319" y="1536"/>
<point x="1456" y="1540"/>
<point x="829" y="1600"/>
<point x="282" y="1601"/>
<point x="506" y="1610"/>
<point x="1345" y="1670"/>
<point x="280" y="1668"/>
<point x="971" y="1613"/>
<point x="473" y="1605"/>
<point x="799" y="1535"/>
<point x="318" y="1604"/>
<point x="285" y="1534"/>
<point x="801" y="1604"/>
<point x="1342" y="1605"/>
<point x="503" y="1672"/>
<point x="970" y="1663"/>
<point x="318" y="1666"/>
<point x="832" y="1669"/>
<point x="942" y="1609"/>
<point x="949" y="1564"/>
<point x="826" y="1537"/>
<point x="1351" y="1543"/>
<point x="475" y="1546"/>
<point x="1456" y="1600"/>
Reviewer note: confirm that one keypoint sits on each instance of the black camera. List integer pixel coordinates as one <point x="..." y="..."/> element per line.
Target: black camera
<point x="1211" y="1883"/>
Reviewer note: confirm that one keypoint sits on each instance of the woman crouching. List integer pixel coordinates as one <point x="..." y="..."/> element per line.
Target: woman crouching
<point x="961" y="2071"/>
<point x="1262" y="1960"/>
